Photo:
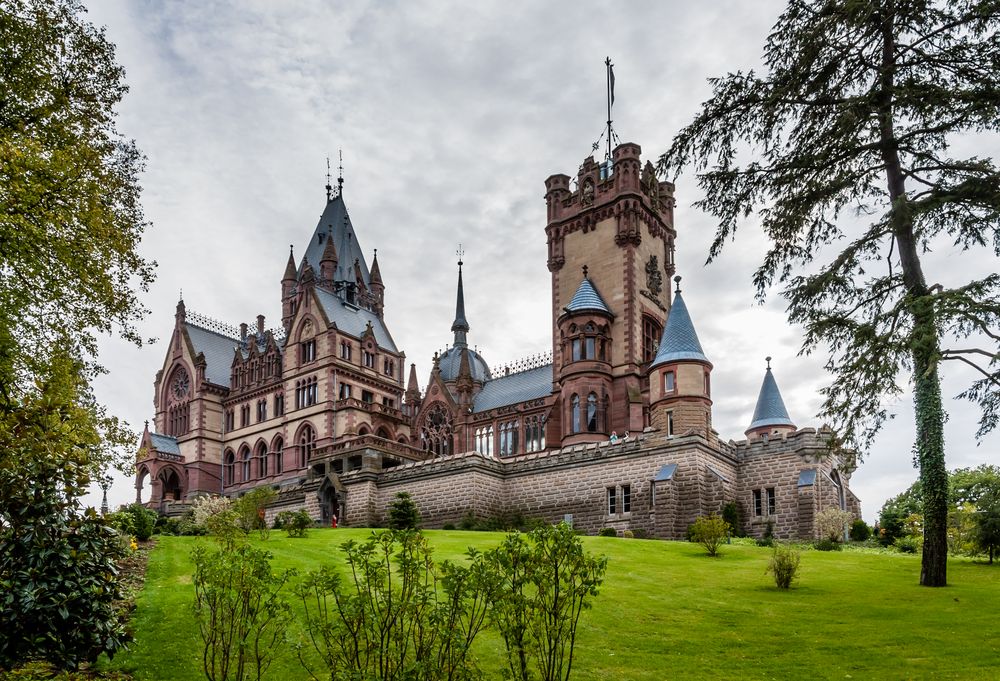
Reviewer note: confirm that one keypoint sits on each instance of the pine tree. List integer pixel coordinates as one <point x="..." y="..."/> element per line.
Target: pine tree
<point x="843" y="147"/>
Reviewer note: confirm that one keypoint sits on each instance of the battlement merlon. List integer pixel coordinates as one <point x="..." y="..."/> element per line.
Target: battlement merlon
<point x="596" y="186"/>
<point x="807" y="442"/>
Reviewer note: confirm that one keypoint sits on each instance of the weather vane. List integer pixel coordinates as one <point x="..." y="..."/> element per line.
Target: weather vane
<point x="460" y="253"/>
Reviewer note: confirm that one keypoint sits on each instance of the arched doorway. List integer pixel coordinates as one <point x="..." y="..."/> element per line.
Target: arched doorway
<point x="170" y="485"/>
<point x="332" y="500"/>
<point x="142" y="491"/>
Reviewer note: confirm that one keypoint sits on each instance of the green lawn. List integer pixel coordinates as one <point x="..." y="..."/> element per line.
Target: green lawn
<point x="668" y="611"/>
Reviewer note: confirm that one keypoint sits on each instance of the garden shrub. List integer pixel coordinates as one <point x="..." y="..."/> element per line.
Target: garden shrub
<point x="628" y="534"/>
<point x="398" y="616"/>
<point x="607" y="532"/>
<point x="710" y="531"/>
<point x="768" y="538"/>
<point x="731" y="514"/>
<point x="987" y="531"/>
<point x="448" y="526"/>
<point x="827" y="544"/>
<point x="143" y="521"/>
<point x="908" y="544"/>
<point x="241" y="616"/>
<point x="294" y="523"/>
<point x="60" y="597"/>
<point x="250" y="510"/>
<point x="403" y="513"/>
<point x="832" y="523"/>
<point x="784" y="565"/>
<point x="547" y="581"/>
<point x="860" y="530"/>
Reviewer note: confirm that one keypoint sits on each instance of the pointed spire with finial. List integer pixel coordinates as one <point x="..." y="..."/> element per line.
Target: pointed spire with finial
<point x="770" y="410"/>
<point x="680" y="340"/>
<point x="374" y="275"/>
<point x="329" y="187"/>
<point x="460" y="326"/>
<point x="328" y="261"/>
<point x="290" y="269"/>
<point x="340" y="173"/>
<point x="586" y="298"/>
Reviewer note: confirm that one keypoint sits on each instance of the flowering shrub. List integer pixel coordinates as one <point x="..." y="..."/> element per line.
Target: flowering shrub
<point x="832" y="523"/>
<point x="207" y="506"/>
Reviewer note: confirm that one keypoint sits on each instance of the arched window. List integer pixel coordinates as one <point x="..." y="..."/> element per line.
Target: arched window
<point x="245" y="463"/>
<point x="278" y="447"/>
<point x="592" y="413"/>
<point x="261" y="456"/>
<point x="307" y="445"/>
<point x="651" y="333"/>
<point x="229" y="468"/>
<point x="435" y="434"/>
<point x="575" y="410"/>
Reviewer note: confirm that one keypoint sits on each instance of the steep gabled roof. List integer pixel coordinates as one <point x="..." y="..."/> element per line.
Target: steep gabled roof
<point x="164" y="444"/>
<point x="770" y="410"/>
<point x="680" y="340"/>
<point x="354" y="320"/>
<point x="587" y="298"/>
<point x="336" y="221"/>
<point x="218" y="350"/>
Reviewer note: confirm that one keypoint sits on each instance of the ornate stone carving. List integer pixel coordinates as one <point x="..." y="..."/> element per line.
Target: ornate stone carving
<point x="654" y="279"/>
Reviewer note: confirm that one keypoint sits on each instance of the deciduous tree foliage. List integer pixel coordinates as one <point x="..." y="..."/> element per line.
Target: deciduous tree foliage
<point x="70" y="223"/>
<point x="843" y="147"/>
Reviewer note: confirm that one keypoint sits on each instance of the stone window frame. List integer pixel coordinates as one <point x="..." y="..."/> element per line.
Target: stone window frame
<point x="772" y="502"/>
<point x="279" y="404"/>
<point x="619" y="500"/>
<point x="308" y="351"/>
<point x="589" y="342"/>
<point x="669" y="382"/>
<point x="612" y="501"/>
<point x="229" y="467"/>
<point x="344" y="391"/>
<point x="345" y="350"/>
<point x="652" y="333"/>
<point x="758" y="503"/>
<point x="278" y="450"/>
<point x="246" y="471"/>
<point x="305" y="439"/>
<point x="260" y="453"/>
<point x="626" y="498"/>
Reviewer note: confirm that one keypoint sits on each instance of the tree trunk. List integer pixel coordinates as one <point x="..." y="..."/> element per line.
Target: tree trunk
<point x="930" y="443"/>
<point x="924" y="347"/>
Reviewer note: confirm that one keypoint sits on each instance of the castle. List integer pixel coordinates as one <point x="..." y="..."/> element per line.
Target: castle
<point x="324" y="410"/>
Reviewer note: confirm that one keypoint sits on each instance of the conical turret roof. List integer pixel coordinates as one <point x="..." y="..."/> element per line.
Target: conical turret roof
<point x="680" y="340"/>
<point x="375" y="276"/>
<point x="587" y="298"/>
<point x="770" y="410"/>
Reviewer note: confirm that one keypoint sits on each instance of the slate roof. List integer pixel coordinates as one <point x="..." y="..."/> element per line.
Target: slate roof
<point x="666" y="472"/>
<point x="164" y="443"/>
<point x="354" y="320"/>
<point x="770" y="409"/>
<point x="218" y="351"/>
<point x="451" y="361"/>
<point x="514" y="388"/>
<point x="680" y="340"/>
<point x="587" y="298"/>
<point x="336" y="219"/>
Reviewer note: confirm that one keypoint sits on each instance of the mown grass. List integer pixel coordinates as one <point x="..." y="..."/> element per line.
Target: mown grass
<point x="667" y="610"/>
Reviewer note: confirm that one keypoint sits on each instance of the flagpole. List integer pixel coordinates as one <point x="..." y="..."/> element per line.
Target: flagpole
<point x="607" y="63"/>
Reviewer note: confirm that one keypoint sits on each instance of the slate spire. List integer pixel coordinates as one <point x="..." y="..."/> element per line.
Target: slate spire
<point x="587" y="298"/>
<point x="770" y="410"/>
<point x="460" y="325"/>
<point x="290" y="270"/>
<point x="680" y="340"/>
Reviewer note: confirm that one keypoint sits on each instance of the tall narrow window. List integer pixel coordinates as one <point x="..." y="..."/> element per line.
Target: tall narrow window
<point x="261" y="456"/>
<point x="770" y="501"/>
<point x="588" y="347"/>
<point x="345" y="391"/>
<point x="670" y="424"/>
<point x="626" y="498"/>
<point x="577" y="348"/>
<point x="651" y="331"/>
<point x="708" y="383"/>
<point x="229" y="468"/>
<point x="758" y="507"/>
<point x="575" y="408"/>
<point x="612" y="501"/>
<point x="592" y="413"/>
<point x="309" y="351"/>
<point x="245" y="462"/>
<point x="279" y="404"/>
<point x="279" y="456"/>
<point x="669" y="382"/>
<point x="307" y="445"/>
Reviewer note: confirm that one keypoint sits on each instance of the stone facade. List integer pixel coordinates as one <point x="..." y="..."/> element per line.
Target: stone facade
<point x="319" y="408"/>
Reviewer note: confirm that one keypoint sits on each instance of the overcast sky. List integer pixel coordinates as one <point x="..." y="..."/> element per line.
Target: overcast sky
<point x="450" y="117"/>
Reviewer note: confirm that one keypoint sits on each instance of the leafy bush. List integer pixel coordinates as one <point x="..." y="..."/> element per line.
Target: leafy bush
<point x="860" y="530"/>
<point x="784" y="565"/>
<point x="640" y="533"/>
<point x="832" y="523"/>
<point x="547" y="581"/>
<point x="403" y="513"/>
<point x="607" y="532"/>
<point x="628" y="534"/>
<point x="60" y="595"/>
<point x="295" y="523"/>
<point x="731" y="514"/>
<point x="398" y="616"/>
<point x="204" y="507"/>
<point x="250" y="510"/>
<point x="827" y="544"/>
<point x="448" y="526"/>
<point x="241" y="616"/>
<point x="908" y="544"/>
<point x="143" y="520"/>
<point x="710" y="531"/>
<point x="768" y="538"/>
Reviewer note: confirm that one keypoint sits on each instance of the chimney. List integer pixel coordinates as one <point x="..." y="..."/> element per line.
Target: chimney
<point x="260" y="326"/>
<point x="243" y="332"/>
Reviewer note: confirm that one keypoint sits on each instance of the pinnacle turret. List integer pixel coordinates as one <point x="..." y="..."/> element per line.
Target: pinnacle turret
<point x="770" y="411"/>
<point x="680" y="340"/>
<point x="460" y="325"/>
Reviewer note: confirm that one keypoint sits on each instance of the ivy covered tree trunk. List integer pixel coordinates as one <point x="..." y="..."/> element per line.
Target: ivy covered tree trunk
<point x="930" y="446"/>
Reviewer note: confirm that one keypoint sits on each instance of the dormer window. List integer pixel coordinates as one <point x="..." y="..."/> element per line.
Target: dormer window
<point x="369" y="358"/>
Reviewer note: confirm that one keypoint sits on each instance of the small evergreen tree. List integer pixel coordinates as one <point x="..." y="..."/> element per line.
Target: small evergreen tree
<point x="403" y="513"/>
<point x="987" y="534"/>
